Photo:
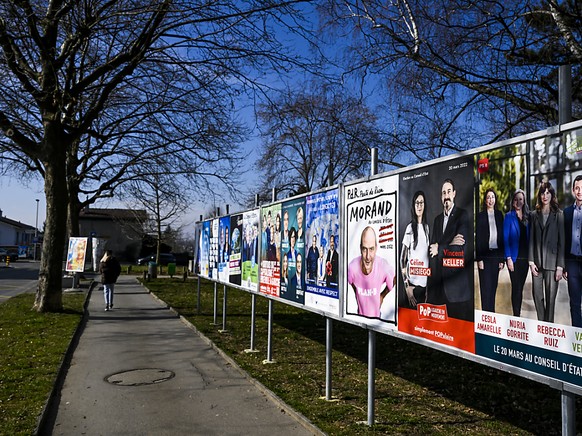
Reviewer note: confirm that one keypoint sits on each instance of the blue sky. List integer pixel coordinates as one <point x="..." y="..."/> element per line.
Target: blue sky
<point x="18" y="197"/>
<point x="18" y="202"/>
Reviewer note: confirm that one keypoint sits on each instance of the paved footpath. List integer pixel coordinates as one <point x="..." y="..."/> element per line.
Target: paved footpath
<point x="140" y="370"/>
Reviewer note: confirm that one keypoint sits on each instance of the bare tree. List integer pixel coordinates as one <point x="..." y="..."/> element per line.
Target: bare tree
<point x="462" y="73"/>
<point x="164" y="202"/>
<point x="313" y="138"/>
<point x="99" y="93"/>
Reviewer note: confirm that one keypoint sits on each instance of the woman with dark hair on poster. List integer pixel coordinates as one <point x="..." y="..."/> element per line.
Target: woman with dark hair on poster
<point x="516" y="242"/>
<point x="277" y="236"/>
<point x="546" y="251"/>
<point x="489" y="249"/>
<point x="414" y="261"/>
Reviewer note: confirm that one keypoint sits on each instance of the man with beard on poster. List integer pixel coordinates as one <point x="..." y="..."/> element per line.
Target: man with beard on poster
<point x="331" y="265"/>
<point x="449" y="283"/>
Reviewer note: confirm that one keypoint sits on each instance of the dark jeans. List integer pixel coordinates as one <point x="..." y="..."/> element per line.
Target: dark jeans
<point x="518" y="276"/>
<point x="574" y="270"/>
<point x="488" y="280"/>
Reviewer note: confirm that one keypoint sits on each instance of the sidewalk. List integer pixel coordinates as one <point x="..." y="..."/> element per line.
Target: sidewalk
<point x="140" y="370"/>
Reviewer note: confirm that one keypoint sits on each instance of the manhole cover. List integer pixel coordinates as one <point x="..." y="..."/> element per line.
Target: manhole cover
<point x="139" y="377"/>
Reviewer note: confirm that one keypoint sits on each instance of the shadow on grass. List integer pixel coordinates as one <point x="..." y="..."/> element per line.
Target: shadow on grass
<point x="494" y="396"/>
<point x="526" y="404"/>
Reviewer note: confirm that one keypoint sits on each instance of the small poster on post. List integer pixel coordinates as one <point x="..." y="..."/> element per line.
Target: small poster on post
<point x="76" y="254"/>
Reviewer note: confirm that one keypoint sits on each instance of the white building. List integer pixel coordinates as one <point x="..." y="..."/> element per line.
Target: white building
<point x="16" y="234"/>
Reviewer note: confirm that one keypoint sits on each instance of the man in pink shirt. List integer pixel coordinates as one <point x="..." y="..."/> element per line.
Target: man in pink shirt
<point x="370" y="278"/>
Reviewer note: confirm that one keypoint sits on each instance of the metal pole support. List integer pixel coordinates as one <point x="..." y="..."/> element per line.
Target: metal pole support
<point x="253" y="323"/>
<point x="269" y="358"/>
<point x="224" y="299"/>
<point x="568" y="401"/>
<point x="565" y="94"/>
<point x="371" y="376"/>
<point x="198" y="297"/>
<point x="373" y="161"/>
<point x="328" y="357"/>
<point x="215" y="304"/>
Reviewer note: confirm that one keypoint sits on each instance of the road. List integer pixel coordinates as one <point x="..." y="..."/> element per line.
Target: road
<point x="19" y="277"/>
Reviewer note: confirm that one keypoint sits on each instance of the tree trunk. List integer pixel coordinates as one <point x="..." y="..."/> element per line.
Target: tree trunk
<point x="49" y="295"/>
<point x="73" y="210"/>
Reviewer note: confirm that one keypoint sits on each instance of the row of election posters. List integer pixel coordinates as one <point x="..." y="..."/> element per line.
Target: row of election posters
<point x="471" y="253"/>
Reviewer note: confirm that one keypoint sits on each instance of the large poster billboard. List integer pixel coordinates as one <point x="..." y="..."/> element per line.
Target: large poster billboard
<point x="223" y="248"/>
<point x="370" y="221"/>
<point x="250" y="250"/>
<point x="235" y="256"/>
<point x="197" y="246"/>
<point x="479" y="253"/>
<point x="527" y="315"/>
<point x="321" y="231"/>
<point x="213" y="258"/>
<point x="270" y="281"/>
<point x="293" y="251"/>
<point x="436" y="253"/>
<point x="205" y="250"/>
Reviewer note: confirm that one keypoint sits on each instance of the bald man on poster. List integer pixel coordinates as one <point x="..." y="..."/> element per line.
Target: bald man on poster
<point x="370" y="276"/>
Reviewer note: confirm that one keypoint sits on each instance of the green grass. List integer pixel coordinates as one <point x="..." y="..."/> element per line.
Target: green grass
<point x="418" y="390"/>
<point x="33" y="346"/>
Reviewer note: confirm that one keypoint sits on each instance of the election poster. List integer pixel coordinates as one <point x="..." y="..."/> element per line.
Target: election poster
<point x="205" y="250"/>
<point x="197" y="245"/>
<point x="370" y="220"/>
<point x="527" y="314"/>
<point x="223" y="248"/>
<point x="76" y="254"/>
<point x="250" y="250"/>
<point x="436" y="253"/>
<point x="270" y="250"/>
<point x="293" y="251"/>
<point x="235" y="255"/>
<point x="321" y="233"/>
<point x="213" y="259"/>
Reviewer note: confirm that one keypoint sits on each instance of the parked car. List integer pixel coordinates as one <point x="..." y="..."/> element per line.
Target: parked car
<point x="182" y="259"/>
<point x="8" y="254"/>
<point x="13" y="255"/>
<point x="165" y="259"/>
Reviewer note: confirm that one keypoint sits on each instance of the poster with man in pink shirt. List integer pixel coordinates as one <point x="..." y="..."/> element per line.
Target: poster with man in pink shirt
<point x="370" y="290"/>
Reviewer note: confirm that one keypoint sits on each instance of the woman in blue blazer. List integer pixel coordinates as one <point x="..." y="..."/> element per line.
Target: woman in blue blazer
<point x="489" y="249"/>
<point x="516" y="243"/>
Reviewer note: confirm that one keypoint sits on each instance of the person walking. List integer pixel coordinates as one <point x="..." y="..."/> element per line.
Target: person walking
<point x="110" y="269"/>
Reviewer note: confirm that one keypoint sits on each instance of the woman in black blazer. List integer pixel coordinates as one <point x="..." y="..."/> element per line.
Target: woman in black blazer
<point x="489" y="249"/>
<point x="546" y="251"/>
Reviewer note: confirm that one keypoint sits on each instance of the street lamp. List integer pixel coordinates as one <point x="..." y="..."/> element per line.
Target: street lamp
<point x="36" y="229"/>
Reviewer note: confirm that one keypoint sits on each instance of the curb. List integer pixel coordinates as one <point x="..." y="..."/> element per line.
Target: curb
<point x="44" y="423"/>
<point x="302" y="420"/>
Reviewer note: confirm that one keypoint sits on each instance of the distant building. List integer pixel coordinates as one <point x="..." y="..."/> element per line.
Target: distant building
<point x="122" y="230"/>
<point x="16" y="234"/>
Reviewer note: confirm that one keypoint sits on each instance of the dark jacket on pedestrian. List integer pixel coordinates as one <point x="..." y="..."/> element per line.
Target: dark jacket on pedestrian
<point x="110" y="270"/>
